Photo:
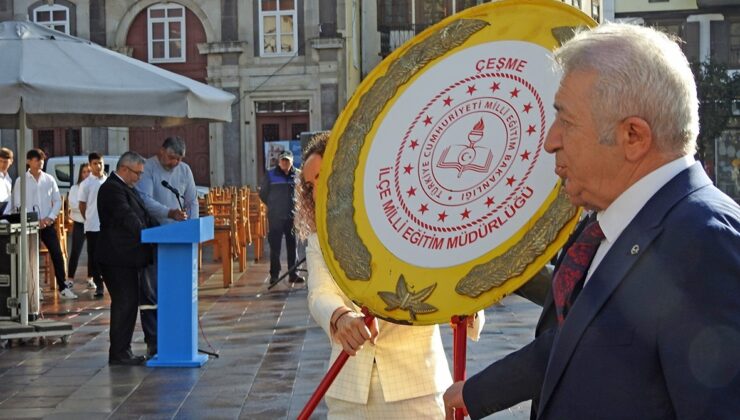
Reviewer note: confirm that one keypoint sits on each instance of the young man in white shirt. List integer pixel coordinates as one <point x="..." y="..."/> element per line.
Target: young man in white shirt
<point x="88" y="197"/>
<point x="6" y="182"/>
<point x="42" y="196"/>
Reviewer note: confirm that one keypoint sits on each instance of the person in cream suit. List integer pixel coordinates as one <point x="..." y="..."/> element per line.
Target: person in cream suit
<point x="396" y="371"/>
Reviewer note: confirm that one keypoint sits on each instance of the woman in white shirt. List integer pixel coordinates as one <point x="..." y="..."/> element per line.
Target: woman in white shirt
<point x="78" y="229"/>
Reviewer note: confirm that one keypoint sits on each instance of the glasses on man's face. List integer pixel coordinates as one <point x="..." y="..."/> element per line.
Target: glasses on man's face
<point x="138" y="173"/>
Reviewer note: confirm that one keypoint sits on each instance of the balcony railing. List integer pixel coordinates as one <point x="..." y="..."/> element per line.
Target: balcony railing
<point x="393" y="36"/>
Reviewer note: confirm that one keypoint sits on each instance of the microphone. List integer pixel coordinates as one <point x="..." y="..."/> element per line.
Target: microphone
<point x="171" y="188"/>
<point x="174" y="191"/>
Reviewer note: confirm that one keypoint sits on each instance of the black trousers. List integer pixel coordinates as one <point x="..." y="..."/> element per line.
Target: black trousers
<point x="275" y="238"/>
<point x="78" y="239"/>
<point x="123" y="286"/>
<point x="49" y="237"/>
<point x="93" y="266"/>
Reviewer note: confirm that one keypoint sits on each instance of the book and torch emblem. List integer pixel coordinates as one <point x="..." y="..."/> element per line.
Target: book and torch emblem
<point x="470" y="156"/>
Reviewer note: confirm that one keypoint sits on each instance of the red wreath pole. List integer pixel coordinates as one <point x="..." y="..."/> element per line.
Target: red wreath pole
<point x="460" y="333"/>
<point x="331" y="374"/>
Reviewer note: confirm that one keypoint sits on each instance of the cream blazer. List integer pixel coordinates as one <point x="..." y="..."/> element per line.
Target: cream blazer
<point x="411" y="361"/>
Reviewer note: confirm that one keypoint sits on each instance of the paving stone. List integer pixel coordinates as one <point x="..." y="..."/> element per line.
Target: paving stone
<point x="271" y="356"/>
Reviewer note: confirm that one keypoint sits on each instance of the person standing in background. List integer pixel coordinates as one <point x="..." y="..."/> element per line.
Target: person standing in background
<point x="277" y="193"/>
<point x="6" y="183"/>
<point x="42" y="196"/>
<point x="88" y="197"/>
<point x="78" y="227"/>
<point x="165" y="168"/>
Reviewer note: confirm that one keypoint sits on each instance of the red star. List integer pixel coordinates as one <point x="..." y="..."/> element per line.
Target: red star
<point x="495" y="86"/>
<point x="510" y="181"/>
<point x="531" y="129"/>
<point x="514" y="93"/>
<point x="407" y="169"/>
<point x="427" y="120"/>
<point x="441" y="216"/>
<point x="465" y="214"/>
<point x="414" y="144"/>
<point x="424" y="208"/>
<point x="525" y="155"/>
<point x="489" y="201"/>
<point x="471" y="89"/>
<point x="527" y="107"/>
<point x="411" y="192"/>
<point x="447" y="101"/>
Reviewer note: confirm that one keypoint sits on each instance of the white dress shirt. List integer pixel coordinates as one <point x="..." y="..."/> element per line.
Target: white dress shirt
<point x="6" y="186"/>
<point x="73" y="197"/>
<point x="615" y="218"/>
<point x="88" y="194"/>
<point x="42" y="196"/>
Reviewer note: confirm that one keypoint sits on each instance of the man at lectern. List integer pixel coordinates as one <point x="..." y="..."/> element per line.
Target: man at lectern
<point x="121" y="254"/>
<point x="167" y="188"/>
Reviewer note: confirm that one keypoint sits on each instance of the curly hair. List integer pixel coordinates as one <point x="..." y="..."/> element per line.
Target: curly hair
<point x="305" y="207"/>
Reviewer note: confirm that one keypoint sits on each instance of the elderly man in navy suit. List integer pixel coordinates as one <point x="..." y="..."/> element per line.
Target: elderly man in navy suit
<point x="644" y="317"/>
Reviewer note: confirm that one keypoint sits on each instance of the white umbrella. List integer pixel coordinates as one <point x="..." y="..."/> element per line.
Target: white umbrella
<point x="50" y="79"/>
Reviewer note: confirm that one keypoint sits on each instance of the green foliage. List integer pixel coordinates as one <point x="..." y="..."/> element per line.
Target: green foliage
<point x="716" y="90"/>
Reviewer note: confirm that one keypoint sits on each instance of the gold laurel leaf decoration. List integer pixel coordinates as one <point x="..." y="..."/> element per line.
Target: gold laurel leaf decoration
<point x="513" y="262"/>
<point x="349" y="250"/>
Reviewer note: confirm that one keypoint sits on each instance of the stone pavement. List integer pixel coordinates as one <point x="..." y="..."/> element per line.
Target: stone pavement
<point x="271" y="356"/>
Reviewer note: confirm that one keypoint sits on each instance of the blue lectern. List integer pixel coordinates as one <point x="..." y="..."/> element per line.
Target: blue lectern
<point x="177" y="291"/>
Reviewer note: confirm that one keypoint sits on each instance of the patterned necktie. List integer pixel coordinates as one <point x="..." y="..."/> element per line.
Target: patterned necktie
<point x="573" y="268"/>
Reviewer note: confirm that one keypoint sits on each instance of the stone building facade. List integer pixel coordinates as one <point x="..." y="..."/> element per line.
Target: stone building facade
<point x="288" y="62"/>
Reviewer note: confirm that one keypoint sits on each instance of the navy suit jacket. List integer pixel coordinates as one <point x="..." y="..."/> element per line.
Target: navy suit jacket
<point x="655" y="333"/>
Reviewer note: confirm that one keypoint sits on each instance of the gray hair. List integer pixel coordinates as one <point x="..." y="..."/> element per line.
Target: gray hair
<point x="130" y="158"/>
<point x="641" y="72"/>
<point x="175" y="144"/>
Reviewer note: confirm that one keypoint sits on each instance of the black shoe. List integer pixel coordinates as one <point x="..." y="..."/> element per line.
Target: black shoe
<point x="99" y="292"/>
<point x="129" y="361"/>
<point x="297" y="279"/>
<point x="274" y="279"/>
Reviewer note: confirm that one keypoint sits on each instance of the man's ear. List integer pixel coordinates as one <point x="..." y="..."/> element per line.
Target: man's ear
<point x="636" y="138"/>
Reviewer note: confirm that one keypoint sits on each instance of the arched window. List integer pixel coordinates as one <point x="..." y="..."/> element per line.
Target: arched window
<point x="166" y="33"/>
<point x="54" y="16"/>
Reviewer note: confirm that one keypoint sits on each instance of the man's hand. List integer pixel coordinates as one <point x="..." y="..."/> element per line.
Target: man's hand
<point x="177" y="214"/>
<point x="453" y="399"/>
<point x="45" y="222"/>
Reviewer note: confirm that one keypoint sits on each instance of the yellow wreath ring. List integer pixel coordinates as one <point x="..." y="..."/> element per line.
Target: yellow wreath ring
<point x="436" y="196"/>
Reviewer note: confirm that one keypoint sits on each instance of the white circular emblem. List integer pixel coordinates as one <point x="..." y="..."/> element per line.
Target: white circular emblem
<point x="459" y="165"/>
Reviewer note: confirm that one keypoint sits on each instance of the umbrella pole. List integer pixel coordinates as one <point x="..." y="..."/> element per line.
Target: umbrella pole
<point x="23" y="245"/>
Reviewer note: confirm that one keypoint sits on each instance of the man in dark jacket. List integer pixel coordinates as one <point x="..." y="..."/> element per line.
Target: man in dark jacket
<point x="121" y="255"/>
<point x="277" y="192"/>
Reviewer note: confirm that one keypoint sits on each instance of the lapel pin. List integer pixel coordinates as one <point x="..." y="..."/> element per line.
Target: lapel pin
<point x="635" y="249"/>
